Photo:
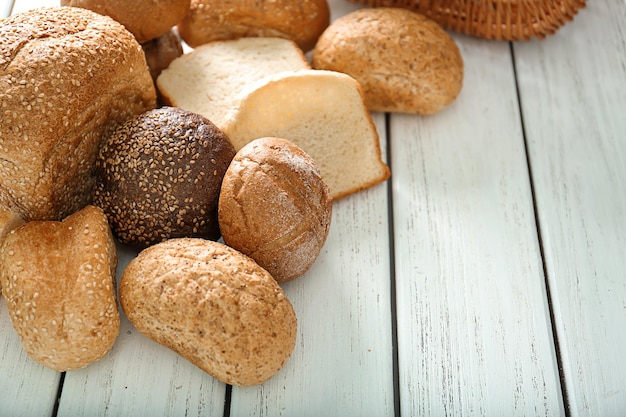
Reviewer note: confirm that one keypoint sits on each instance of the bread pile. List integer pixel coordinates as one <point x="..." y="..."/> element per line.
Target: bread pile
<point x="252" y="144"/>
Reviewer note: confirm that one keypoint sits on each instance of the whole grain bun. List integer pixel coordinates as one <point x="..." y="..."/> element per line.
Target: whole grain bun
<point x="302" y="21"/>
<point x="275" y="207"/>
<point x="161" y="51"/>
<point x="58" y="279"/>
<point x="68" y="77"/>
<point x="404" y="61"/>
<point x="159" y="177"/>
<point x="146" y="19"/>
<point x="213" y="306"/>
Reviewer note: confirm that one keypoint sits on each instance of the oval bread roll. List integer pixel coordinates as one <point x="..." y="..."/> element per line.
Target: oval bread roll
<point x="58" y="279"/>
<point x="275" y="207"/>
<point x="404" y="61"/>
<point x="213" y="306"/>
<point x="301" y="21"/>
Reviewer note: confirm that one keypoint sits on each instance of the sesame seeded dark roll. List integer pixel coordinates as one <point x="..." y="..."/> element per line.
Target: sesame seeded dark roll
<point x="159" y="177"/>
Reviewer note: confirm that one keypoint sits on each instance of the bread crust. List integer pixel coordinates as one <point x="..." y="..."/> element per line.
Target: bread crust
<point x="145" y="19"/>
<point x="68" y="77"/>
<point x="161" y="51"/>
<point x="159" y="177"/>
<point x="275" y="207"/>
<point x="213" y="306"/>
<point x="301" y="21"/>
<point x="404" y="61"/>
<point x="58" y="279"/>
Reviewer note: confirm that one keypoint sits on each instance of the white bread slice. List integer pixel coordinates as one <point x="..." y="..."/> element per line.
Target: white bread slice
<point x="209" y="79"/>
<point x="324" y="113"/>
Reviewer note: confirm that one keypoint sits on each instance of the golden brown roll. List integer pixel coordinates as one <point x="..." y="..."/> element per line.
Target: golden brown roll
<point x="275" y="207"/>
<point x="213" y="306"/>
<point x="159" y="177"/>
<point x="68" y="77"/>
<point x="58" y="279"/>
<point x="404" y="61"/>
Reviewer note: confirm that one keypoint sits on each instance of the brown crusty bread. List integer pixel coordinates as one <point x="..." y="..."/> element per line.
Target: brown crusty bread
<point x="213" y="306"/>
<point x="158" y="176"/>
<point x="8" y="222"/>
<point x="275" y="207"/>
<point x="146" y="19"/>
<point x="404" y="61"/>
<point x="161" y="51"/>
<point x="58" y="279"/>
<point x="68" y="77"/>
<point x="302" y="21"/>
<point x="210" y="79"/>
<point x="324" y="114"/>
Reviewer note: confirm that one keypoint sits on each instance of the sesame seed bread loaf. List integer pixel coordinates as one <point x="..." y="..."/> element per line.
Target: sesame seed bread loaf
<point x="213" y="306"/>
<point x="58" y="279"/>
<point x="8" y="222"/>
<point x="275" y="207"/>
<point x="145" y="19"/>
<point x="324" y="114"/>
<point x="159" y="177"/>
<point x="209" y="80"/>
<point x="404" y="61"/>
<point x="299" y="20"/>
<point x="68" y="77"/>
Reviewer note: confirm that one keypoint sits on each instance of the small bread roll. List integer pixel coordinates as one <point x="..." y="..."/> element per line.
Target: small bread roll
<point x="159" y="177"/>
<point x="58" y="279"/>
<point x="68" y="78"/>
<point x="301" y="21"/>
<point x="146" y="19"/>
<point x="161" y="51"/>
<point x="213" y="306"/>
<point x="275" y="207"/>
<point x="404" y="61"/>
<point x="8" y="222"/>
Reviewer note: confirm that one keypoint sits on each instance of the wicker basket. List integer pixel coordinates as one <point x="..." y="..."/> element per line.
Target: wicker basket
<point x="509" y="20"/>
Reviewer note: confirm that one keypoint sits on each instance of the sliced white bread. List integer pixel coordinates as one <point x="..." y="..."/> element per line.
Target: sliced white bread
<point x="324" y="113"/>
<point x="209" y="79"/>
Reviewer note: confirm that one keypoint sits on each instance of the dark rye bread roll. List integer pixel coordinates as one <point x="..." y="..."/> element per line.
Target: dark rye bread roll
<point x="213" y="306"/>
<point x="159" y="177"/>
<point x="275" y="207"/>
<point x="68" y="77"/>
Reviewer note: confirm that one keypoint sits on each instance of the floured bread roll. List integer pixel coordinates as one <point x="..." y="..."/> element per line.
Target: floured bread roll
<point x="213" y="306"/>
<point x="275" y="207"/>
<point x="68" y="77"/>
<point x="58" y="279"/>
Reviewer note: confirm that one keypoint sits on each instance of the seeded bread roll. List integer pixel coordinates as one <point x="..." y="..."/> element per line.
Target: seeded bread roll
<point x="146" y="19"/>
<point x="68" y="77"/>
<point x="301" y="21"/>
<point x="8" y="222"/>
<point x="404" y="61"/>
<point x="275" y="207"/>
<point x="159" y="177"/>
<point x="213" y="306"/>
<point x="58" y="279"/>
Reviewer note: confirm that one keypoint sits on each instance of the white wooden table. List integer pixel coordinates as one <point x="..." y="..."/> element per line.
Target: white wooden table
<point x="487" y="277"/>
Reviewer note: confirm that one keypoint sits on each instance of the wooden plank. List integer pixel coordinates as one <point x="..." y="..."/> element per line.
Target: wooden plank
<point x="343" y="362"/>
<point x="474" y="326"/>
<point x="573" y="92"/>
<point x="5" y="8"/>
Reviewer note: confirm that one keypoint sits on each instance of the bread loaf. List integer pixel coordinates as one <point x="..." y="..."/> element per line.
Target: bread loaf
<point x="161" y="51"/>
<point x="213" y="306"/>
<point x="58" y="279"/>
<point x="8" y="222"/>
<point x="404" y="61"/>
<point x="210" y="79"/>
<point x="299" y="20"/>
<point x="145" y="19"/>
<point x="159" y="177"/>
<point x="324" y="114"/>
<point x="68" y="77"/>
<point x="275" y="207"/>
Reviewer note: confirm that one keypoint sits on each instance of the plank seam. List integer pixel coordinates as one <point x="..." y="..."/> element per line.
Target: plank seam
<point x="57" y="401"/>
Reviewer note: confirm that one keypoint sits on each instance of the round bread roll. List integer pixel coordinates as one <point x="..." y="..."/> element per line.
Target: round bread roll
<point x="146" y="19"/>
<point x="159" y="177"/>
<point x="404" y="61"/>
<point x="58" y="279"/>
<point x="275" y="207"/>
<point x="68" y="77"/>
<point x="213" y="306"/>
<point x="161" y="51"/>
<point x="301" y="21"/>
